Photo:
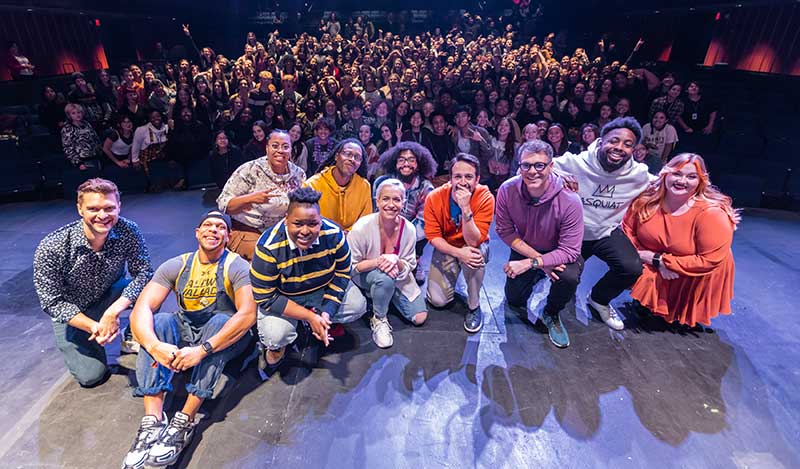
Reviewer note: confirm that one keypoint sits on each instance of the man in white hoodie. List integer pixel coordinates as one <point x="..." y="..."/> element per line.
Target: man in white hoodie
<point x="609" y="179"/>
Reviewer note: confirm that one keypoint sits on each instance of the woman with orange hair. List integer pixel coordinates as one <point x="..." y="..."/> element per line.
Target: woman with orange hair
<point x="683" y="227"/>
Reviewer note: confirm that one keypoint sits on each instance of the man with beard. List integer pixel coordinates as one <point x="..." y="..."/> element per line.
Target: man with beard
<point x="543" y="225"/>
<point x="413" y="165"/>
<point x="346" y="193"/>
<point x="609" y="179"/>
<point x="79" y="275"/>
<point x="300" y="272"/>
<point x="457" y="219"/>
<point x="215" y="313"/>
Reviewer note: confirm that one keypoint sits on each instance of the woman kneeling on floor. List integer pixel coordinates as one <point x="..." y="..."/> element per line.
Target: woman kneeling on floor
<point x="683" y="229"/>
<point x="382" y="246"/>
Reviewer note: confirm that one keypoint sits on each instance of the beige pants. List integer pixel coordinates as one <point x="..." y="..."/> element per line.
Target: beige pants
<point x="444" y="274"/>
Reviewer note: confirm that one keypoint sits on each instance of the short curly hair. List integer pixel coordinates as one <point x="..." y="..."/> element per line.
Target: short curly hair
<point x="304" y="196"/>
<point x="426" y="165"/>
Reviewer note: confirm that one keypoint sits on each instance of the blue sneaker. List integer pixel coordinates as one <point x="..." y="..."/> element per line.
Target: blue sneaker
<point x="555" y="329"/>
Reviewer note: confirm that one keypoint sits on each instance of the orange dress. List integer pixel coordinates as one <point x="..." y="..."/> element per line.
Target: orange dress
<point x="697" y="246"/>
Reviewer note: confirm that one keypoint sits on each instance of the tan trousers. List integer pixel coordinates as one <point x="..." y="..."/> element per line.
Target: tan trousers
<point x="444" y="274"/>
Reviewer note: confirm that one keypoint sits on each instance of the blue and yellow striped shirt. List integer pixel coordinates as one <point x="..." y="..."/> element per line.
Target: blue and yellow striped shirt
<point x="280" y="271"/>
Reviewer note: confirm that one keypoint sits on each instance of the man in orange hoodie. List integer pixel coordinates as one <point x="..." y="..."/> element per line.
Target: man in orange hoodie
<point x="457" y="219"/>
<point x="346" y="194"/>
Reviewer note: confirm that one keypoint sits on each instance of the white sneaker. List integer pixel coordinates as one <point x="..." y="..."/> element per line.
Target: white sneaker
<point x="608" y="314"/>
<point x="150" y="431"/>
<point x="173" y="439"/>
<point x="381" y="332"/>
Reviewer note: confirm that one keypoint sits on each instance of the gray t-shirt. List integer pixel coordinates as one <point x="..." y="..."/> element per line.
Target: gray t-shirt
<point x="201" y="288"/>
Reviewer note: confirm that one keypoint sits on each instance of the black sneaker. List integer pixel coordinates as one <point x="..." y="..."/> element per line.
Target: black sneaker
<point x="174" y="438"/>
<point x="473" y="321"/>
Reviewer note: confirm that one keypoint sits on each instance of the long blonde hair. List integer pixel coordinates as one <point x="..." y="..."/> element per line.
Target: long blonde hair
<point x="646" y="205"/>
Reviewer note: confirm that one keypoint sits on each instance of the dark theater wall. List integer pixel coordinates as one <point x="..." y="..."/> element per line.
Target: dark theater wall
<point x="55" y="43"/>
<point x="758" y="39"/>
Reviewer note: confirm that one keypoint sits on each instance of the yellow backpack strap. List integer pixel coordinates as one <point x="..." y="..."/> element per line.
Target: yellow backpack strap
<point x="184" y="258"/>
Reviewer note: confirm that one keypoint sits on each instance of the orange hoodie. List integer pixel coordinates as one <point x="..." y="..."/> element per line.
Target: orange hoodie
<point x="439" y="224"/>
<point x="342" y="205"/>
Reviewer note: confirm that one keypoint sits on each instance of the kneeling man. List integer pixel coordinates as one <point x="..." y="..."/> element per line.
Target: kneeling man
<point x="215" y="312"/>
<point x="543" y="225"/>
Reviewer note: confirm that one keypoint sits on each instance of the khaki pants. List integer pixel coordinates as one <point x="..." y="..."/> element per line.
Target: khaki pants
<point x="243" y="243"/>
<point x="444" y="274"/>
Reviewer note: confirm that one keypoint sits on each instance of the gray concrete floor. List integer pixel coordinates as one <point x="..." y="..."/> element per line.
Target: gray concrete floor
<point x="644" y="397"/>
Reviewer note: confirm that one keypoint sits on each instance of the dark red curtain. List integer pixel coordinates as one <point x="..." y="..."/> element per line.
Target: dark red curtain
<point x="758" y="39"/>
<point x="55" y="43"/>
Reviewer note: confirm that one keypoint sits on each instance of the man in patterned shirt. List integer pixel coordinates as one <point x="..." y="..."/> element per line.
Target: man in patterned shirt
<point x="300" y="271"/>
<point x="79" y="275"/>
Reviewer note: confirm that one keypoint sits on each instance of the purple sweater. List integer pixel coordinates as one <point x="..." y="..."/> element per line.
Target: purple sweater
<point x="553" y="225"/>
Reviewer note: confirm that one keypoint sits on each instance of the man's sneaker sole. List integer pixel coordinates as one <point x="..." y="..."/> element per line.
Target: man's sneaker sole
<point x="596" y="315"/>
<point x="472" y="331"/>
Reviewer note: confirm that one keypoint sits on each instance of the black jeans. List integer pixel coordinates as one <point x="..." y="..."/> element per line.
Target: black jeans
<point x="624" y="265"/>
<point x="519" y="289"/>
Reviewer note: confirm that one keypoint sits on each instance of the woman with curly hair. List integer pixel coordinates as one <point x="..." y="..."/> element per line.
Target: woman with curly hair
<point x="682" y="227"/>
<point x="414" y="166"/>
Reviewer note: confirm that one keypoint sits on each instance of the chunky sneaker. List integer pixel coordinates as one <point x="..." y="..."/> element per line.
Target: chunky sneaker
<point x="172" y="441"/>
<point x="128" y="344"/>
<point x="608" y="314"/>
<point x="149" y="432"/>
<point x="555" y="329"/>
<point x="473" y="321"/>
<point x="381" y="331"/>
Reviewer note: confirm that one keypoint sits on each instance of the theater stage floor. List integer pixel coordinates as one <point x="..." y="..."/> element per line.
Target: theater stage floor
<point x="645" y="397"/>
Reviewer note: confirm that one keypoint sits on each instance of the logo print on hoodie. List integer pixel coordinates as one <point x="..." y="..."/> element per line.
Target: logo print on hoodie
<point x="606" y="192"/>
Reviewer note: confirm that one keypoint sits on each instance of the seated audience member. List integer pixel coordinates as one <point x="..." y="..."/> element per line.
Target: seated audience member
<point x="300" y="271"/>
<point x="608" y="182"/>
<point x="504" y="147"/>
<point x="413" y="165"/>
<point x="118" y="142"/>
<point x="257" y="147"/>
<point x="557" y="138"/>
<point x="472" y="139"/>
<point x="79" y="275"/>
<point x="457" y="219"/>
<point x="319" y="146"/>
<point x="299" y="150"/>
<point x="659" y="137"/>
<point x="372" y="157"/>
<point x="211" y="327"/>
<point x="641" y="155"/>
<point x="149" y="141"/>
<point x="442" y="148"/>
<point x="542" y="223"/>
<point x="224" y="158"/>
<point x="79" y="140"/>
<point x="257" y="193"/>
<point x="416" y="132"/>
<point x="384" y="258"/>
<point x="682" y="227"/>
<point x="589" y="133"/>
<point x="51" y="110"/>
<point x="346" y="194"/>
<point x="670" y="104"/>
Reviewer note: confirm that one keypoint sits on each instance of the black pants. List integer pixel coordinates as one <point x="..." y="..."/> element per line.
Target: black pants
<point x="624" y="265"/>
<point x="519" y="289"/>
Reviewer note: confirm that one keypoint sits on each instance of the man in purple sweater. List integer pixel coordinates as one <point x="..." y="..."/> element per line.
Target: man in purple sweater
<point x="543" y="225"/>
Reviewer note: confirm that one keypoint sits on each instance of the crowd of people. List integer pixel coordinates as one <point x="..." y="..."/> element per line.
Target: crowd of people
<point x="339" y="161"/>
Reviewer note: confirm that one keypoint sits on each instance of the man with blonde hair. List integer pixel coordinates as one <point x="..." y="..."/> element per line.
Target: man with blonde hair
<point x="79" y="275"/>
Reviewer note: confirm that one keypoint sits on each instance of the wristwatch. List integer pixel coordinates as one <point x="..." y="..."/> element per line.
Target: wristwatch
<point x="657" y="260"/>
<point x="468" y="216"/>
<point x="535" y="263"/>
<point x="207" y="347"/>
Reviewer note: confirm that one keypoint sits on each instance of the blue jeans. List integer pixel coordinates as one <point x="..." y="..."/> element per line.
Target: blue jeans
<point x="86" y="359"/>
<point x="187" y="329"/>
<point x="383" y="291"/>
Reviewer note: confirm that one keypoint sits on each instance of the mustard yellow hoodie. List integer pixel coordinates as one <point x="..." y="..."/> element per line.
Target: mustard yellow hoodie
<point x="342" y="205"/>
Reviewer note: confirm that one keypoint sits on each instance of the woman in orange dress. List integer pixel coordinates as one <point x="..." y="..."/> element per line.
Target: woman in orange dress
<point x="683" y="227"/>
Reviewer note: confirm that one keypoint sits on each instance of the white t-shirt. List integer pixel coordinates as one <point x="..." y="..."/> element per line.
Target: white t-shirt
<point x="656" y="140"/>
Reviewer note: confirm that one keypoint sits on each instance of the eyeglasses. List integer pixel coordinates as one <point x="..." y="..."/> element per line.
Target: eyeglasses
<point x="276" y="147"/>
<point x="350" y="155"/>
<point x="403" y="160"/>
<point x="539" y="166"/>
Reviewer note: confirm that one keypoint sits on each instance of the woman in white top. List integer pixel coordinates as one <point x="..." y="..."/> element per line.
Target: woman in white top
<point x="118" y="142"/>
<point x="382" y="249"/>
